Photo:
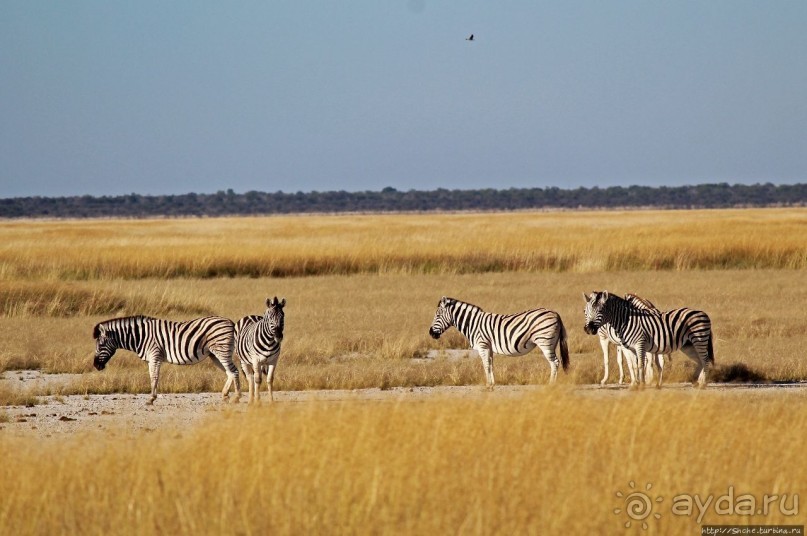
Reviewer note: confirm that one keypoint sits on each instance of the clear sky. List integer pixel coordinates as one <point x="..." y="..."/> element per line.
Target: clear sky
<point x="158" y="97"/>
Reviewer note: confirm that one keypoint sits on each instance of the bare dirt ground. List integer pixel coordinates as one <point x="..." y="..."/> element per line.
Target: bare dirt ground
<point x="60" y="416"/>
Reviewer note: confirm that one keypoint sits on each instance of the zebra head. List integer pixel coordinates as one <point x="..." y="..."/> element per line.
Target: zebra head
<point x="274" y="317"/>
<point x="105" y="346"/>
<point x="443" y="318"/>
<point x="595" y="311"/>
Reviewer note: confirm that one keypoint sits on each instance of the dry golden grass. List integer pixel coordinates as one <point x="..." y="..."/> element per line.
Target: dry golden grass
<point x="541" y="463"/>
<point x="409" y="243"/>
<point x="50" y="299"/>
<point x="546" y="462"/>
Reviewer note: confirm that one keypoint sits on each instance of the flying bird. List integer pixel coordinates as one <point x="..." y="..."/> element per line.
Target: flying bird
<point x="470" y="38"/>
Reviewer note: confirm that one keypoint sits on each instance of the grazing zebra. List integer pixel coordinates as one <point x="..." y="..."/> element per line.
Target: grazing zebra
<point x="257" y="344"/>
<point x="608" y="335"/>
<point x="514" y="334"/>
<point x="180" y="343"/>
<point x="643" y="330"/>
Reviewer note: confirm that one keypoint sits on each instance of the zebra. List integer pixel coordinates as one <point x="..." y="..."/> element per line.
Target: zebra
<point x="157" y="341"/>
<point x="644" y="330"/>
<point x="257" y="344"/>
<point x="513" y="334"/>
<point x="608" y="335"/>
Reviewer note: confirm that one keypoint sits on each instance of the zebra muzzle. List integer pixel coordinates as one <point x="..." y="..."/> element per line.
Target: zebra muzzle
<point x="434" y="334"/>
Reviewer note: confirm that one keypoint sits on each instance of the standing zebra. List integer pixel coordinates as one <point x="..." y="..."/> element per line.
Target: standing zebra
<point x="181" y="343"/>
<point x="644" y="331"/>
<point x="656" y="359"/>
<point x="257" y="343"/>
<point x="608" y="335"/>
<point x="514" y="334"/>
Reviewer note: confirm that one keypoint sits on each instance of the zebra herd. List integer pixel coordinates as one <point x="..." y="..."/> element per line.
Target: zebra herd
<point x="642" y="334"/>
<point x="256" y="339"/>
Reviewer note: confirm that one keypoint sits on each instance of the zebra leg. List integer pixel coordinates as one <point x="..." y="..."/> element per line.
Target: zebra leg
<point x="660" y="365"/>
<point x="270" y="377"/>
<point x="619" y="355"/>
<point x="487" y="363"/>
<point x="641" y="363"/>
<point x="549" y="354"/>
<point x="246" y="367"/>
<point x="604" y="346"/>
<point x="226" y="361"/>
<point x="703" y="364"/>
<point x="630" y="360"/>
<point x="256" y="380"/>
<point x="648" y="373"/>
<point x="154" y="374"/>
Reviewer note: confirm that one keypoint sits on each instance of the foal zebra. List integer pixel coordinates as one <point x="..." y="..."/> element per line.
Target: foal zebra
<point x="608" y="335"/>
<point x="514" y="334"/>
<point x="157" y="341"/>
<point x="644" y="331"/>
<point x="257" y="344"/>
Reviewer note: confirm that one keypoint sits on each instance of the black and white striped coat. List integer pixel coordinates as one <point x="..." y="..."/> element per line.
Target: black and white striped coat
<point x="257" y="344"/>
<point x="643" y="331"/>
<point x="608" y="335"/>
<point x="511" y="334"/>
<point x="159" y="341"/>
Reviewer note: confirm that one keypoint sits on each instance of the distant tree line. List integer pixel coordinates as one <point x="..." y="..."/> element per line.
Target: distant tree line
<point x="389" y="200"/>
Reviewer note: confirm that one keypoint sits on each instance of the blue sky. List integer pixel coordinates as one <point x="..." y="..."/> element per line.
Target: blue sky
<point x="159" y="97"/>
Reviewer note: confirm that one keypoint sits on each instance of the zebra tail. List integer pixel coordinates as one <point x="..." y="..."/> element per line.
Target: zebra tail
<point x="710" y="351"/>
<point x="564" y="347"/>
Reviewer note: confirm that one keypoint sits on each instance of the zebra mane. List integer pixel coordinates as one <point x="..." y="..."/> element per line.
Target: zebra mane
<point x="453" y="302"/>
<point x="96" y="331"/>
<point x="598" y="297"/>
<point x="619" y="301"/>
<point x="633" y="298"/>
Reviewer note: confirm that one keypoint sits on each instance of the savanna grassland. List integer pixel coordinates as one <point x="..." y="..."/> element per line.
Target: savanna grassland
<point x="361" y="291"/>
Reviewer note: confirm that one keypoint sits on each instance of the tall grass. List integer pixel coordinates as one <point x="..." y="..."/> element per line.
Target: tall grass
<point x="52" y="299"/>
<point x="287" y="246"/>
<point x="541" y="463"/>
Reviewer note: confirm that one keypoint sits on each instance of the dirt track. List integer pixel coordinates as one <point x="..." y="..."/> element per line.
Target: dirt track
<point x="129" y="414"/>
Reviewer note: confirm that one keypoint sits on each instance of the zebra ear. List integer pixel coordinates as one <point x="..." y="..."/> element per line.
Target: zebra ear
<point x="282" y="302"/>
<point x="603" y="296"/>
<point x="271" y="301"/>
<point x="96" y="331"/>
<point x="586" y="297"/>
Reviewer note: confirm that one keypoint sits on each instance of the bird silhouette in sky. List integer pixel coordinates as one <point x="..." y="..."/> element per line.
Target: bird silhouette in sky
<point x="470" y="38"/>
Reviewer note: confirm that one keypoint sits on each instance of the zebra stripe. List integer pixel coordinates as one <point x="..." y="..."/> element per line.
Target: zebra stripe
<point x="607" y="335"/>
<point x="158" y="341"/>
<point x="257" y="344"/>
<point x="512" y="334"/>
<point x="644" y="331"/>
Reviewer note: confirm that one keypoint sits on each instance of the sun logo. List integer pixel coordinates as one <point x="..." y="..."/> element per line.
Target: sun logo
<point x="638" y="505"/>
